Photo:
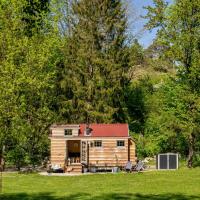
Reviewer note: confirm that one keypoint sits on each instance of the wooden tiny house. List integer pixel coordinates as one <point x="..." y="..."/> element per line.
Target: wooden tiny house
<point x="96" y="145"/>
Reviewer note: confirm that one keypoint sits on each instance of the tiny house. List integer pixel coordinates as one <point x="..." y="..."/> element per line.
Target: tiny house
<point x="100" y="146"/>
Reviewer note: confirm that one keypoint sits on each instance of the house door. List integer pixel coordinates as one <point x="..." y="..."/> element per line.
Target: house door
<point x="84" y="152"/>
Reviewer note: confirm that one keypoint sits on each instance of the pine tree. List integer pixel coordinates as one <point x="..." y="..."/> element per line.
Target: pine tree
<point x="136" y="54"/>
<point x="33" y="15"/>
<point x="96" y="63"/>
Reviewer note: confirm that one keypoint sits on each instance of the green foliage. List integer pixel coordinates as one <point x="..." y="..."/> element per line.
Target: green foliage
<point x="27" y="77"/>
<point x="33" y="15"/>
<point x="71" y="61"/>
<point x="178" y="30"/>
<point x="136" y="54"/>
<point x="46" y="77"/>
<point x="95" y="60"/>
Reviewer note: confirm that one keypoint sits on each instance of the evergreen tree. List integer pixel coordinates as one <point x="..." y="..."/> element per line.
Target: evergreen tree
<point x="136" y="54"/>
<point x="96" y="63"/>
<point x="33" y="15"/>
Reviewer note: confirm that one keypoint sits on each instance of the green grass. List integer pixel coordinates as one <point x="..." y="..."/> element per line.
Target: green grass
<point x="183" y="184"/>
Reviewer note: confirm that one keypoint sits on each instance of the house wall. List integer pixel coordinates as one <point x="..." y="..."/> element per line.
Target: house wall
<point x="59" y="132"/>
<point x="109" y="154"/>
<point x="132" y="151"/>
<point x="58" y="151"/>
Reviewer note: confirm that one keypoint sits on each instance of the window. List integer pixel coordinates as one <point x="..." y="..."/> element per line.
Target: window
<point x="91" y="144"/>
<point x="98" y="143"/>
<point x="88" y="131"/>
<point x="120" y="143"/>
<point x="68" y="132"/>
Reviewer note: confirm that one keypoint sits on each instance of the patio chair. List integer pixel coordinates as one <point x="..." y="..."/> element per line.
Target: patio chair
<point x="128" y="167"/>
<point x="139" y="166"/>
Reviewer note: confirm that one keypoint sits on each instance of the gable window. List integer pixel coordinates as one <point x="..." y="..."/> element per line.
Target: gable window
<point x="98" y="143"/>
<point x="68" y="132"/>
<point x="120" y="143"/>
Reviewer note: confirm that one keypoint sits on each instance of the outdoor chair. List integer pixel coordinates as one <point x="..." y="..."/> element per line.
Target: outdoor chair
<point x="128" y="167"/>
<point x="139" y="166"/>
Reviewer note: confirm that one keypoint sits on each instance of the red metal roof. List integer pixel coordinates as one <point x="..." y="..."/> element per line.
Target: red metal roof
<point x="106" y="130"/>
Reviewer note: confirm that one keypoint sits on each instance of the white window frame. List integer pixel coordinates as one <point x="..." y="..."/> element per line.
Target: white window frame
<point x="120" y="146"/>
<point x="67" y="135"/>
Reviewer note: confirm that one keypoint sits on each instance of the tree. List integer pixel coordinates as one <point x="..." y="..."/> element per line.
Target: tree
<point x="27" y="77"/>
<point x="136" y="54"/>
<point x="94" y="75"/>
<point x="179" y="29"/>
<point x="33" y="15"/>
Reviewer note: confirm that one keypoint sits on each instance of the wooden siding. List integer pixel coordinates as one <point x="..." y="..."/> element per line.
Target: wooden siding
<point x="58" y="151"/>
<point x="109" y="154"/>
<point x="132" y="151"/>
<point x="59" y="132"/>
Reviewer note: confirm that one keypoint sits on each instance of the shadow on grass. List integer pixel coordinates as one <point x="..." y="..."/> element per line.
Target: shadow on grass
<point x="85" y="196"/>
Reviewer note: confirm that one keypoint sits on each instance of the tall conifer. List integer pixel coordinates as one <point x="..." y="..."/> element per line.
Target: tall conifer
<point x="95" y="71"/>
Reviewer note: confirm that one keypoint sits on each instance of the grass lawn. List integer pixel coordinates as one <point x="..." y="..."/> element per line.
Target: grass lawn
<point x="183" y="184"/>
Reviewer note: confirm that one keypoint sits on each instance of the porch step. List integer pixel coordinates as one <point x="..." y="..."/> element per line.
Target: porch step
<point x="73" y="168"/>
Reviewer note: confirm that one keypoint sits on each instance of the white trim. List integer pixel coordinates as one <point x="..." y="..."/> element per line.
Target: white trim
<point x="120" y="141"/>
<point x="158" y="161"/>
<point x="89" y="138"/>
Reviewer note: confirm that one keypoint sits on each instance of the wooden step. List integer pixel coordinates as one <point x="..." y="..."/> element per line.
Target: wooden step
<point x="73" y="168"/>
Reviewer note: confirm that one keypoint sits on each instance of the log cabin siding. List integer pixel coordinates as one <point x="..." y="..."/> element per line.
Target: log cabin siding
<point x="109" y="153"/>
<point x="132" y="150"/>
<point x="60" y="132"/>
<point x="58" y="151"/>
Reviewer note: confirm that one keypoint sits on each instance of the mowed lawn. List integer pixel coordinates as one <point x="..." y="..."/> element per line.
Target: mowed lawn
<point x="183" y="184"/>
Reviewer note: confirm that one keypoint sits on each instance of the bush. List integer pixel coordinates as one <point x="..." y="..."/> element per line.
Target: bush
<point x="196" y="160"/>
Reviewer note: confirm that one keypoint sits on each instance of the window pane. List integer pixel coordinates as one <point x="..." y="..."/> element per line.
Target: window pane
<point x="97" y="143"/>
<point x="120" y="143"/>
<point x="68" y="131"/>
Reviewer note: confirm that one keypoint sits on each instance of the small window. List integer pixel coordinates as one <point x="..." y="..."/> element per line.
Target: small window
<point x="98" y="143"/>
<point x="91" y="144"/>
<point x="68" y="132"/>
<point x="120" y="143"/>
<point x="88" y="131"/>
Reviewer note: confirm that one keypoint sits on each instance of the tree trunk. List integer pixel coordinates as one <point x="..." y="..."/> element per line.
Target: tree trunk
<point x="191" y="151"/>
<point x="2" y="163"/>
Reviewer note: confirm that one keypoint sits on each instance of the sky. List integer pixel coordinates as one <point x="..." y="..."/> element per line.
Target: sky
<point x="137" y="23"/>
